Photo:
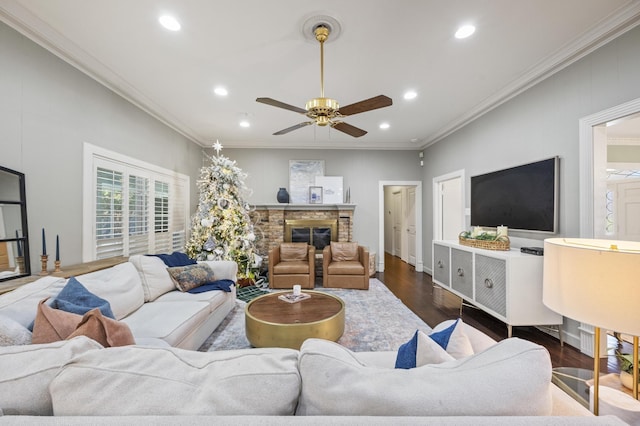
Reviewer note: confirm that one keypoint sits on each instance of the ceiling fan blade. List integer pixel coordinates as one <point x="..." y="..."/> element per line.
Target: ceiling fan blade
<point x="292" y="128"/>
<point x="349" y="129"/>
<point x="366" y="105"/>
<point x="279" y="104"/>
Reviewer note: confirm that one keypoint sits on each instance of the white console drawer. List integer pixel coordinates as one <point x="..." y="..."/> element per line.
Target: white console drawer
<point x="441" y="265"/>
<point x="491" y="283"/>
<point x="462" y="272"/>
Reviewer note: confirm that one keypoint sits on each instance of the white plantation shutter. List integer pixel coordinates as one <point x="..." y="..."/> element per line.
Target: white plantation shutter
<point x="161" y="217"/>
<point x="179" y="218"/>
<point x="134" y="207"/>
<point x="108" y="219"/>
<point x="138" y="215"/>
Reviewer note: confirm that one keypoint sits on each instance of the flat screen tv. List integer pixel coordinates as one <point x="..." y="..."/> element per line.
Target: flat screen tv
<point x="522" y="198"/>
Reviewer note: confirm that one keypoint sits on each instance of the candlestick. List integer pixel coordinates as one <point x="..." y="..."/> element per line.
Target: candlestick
<point x="18" y="243"/>
<point x="43" y="259"/>
<point x="44" y="244"/>
<point x="57" y="248"/>
<point x="20" y="264"/>
<point x="57" y="266"/>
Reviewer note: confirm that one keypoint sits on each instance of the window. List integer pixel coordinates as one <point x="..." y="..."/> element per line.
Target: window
<point x="131" y="207"/>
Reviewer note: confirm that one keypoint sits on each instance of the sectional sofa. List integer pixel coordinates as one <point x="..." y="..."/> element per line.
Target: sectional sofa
<point x="163" y="380"/>
<point x="141" y="294"/>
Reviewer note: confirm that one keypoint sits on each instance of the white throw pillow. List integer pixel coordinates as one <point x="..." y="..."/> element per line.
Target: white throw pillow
<point x="154" y="276"/>
<point x="13" y="333"/>
<point x="429" y="352"/>
<point x="28" y="370"/>
<point x="172" y="381"/>
<point x="459" y="345"/>
<point x="120" y="285"/>
<point x="510" y="378"/>
<point x="21" y="304"/>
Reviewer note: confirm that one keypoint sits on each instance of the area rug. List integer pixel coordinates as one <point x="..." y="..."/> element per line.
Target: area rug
<point x="375" y="320"/>
<point x="246" y="294"/>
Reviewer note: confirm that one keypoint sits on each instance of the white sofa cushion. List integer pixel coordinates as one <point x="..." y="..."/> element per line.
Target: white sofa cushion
<point x="214" y="298"/>
<point x="154" y="276"/>
<point x="27" y="371"/>
<point x="510" y="378"/>
<point x="120" y="285"/>
<point x="171" y="322"/>
<point x="21" y="304"/>
<point x="171" y="381"/>
<point x="223" y="269"/>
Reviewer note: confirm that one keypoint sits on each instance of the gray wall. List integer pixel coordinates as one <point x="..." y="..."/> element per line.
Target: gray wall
<point x="539" y="123"/>
<point x="47" y="110"/>
<point x="268" y="170"/>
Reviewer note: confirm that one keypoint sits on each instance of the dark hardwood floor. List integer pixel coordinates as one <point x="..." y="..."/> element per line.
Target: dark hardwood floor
<point x="434" y="305"/>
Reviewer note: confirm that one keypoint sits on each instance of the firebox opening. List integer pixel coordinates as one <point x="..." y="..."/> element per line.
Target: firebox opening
<point x="318" y="233"/>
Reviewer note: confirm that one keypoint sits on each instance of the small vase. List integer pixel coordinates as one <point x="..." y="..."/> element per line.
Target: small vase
<point x="283" y="196"/>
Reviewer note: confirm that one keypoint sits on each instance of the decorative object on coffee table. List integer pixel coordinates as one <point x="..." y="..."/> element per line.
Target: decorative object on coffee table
<point x="271" y="322"/>
<point x="595" y="282"/>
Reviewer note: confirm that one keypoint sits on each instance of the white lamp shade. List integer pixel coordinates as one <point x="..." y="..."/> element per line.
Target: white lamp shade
<point x="594" y="281"/>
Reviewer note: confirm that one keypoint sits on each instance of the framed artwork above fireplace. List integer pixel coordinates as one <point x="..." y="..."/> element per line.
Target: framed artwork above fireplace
<point x="302" y="175"/>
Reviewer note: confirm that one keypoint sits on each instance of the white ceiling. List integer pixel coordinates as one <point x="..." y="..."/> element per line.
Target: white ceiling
<point x="257" y="48"/>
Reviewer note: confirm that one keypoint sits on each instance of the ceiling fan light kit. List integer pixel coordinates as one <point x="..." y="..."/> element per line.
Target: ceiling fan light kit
<point x="326" y="111"/>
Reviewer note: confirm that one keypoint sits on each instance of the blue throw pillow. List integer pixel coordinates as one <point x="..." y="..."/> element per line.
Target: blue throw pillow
<point x="175" y="259"/>
<point x="224" y="285"/>
<point x="442" y="337"/>
<point x="75" y="298"/>
<point x="408" y="353"/>
<point x="406" y="357"/>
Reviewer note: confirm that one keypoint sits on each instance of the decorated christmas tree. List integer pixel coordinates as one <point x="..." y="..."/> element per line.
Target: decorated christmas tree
<point x="221" y="228"/>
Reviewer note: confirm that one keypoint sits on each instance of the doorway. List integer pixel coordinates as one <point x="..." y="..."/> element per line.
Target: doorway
<point x="404" y="198"/>
<point x="593" y="165"/>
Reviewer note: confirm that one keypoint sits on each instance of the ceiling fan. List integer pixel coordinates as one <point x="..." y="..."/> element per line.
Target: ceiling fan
<point x="326" y="111"/>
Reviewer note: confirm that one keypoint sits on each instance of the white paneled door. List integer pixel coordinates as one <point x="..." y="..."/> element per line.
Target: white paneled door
<point x="411" y="225"/>
<point x="628" y="211"/>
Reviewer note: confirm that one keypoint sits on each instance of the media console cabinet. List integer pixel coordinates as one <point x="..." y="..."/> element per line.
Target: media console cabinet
<point x="505" y="284"/>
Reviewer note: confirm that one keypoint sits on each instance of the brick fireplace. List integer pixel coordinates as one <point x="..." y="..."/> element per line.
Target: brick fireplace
<point x="274" y="223"/>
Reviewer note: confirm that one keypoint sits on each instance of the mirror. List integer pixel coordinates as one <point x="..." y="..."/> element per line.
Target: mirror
<point x="14" y="239"/>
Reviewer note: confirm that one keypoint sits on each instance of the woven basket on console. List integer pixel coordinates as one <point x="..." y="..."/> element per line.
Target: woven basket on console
<point x="501" y="244"/>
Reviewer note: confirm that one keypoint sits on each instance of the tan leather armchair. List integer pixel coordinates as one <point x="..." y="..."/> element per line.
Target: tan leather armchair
<point x="345" y="265"/>
<point x="292" y="263"/>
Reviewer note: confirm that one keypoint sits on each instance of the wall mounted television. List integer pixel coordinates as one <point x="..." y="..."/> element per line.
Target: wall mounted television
<point x="523" y="197"/>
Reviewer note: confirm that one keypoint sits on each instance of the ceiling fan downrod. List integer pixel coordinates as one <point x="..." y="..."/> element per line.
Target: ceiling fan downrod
<point x="322" y="33"/>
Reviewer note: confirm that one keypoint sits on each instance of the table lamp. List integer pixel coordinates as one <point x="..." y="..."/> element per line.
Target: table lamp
<point x="596" y="282"/>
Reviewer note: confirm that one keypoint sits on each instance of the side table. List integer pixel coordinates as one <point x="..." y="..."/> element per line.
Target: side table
<point x="614" y="398"/>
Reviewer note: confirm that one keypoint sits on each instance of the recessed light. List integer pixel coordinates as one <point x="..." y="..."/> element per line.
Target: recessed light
<point x="410" y="95"/>
<point x="384" y="126"/>
<point x="245" y="123"/>
<point x="465" y="31"/>
<point x="220" y="91"/>
<point x="169" y="22"/>
<point x="414" y="140"/>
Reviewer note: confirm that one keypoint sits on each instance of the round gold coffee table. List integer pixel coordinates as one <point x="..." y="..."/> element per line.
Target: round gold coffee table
<point x="271" y="322"/>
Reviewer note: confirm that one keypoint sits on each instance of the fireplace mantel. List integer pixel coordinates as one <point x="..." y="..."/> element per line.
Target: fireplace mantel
<point x="314" y="207"/>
